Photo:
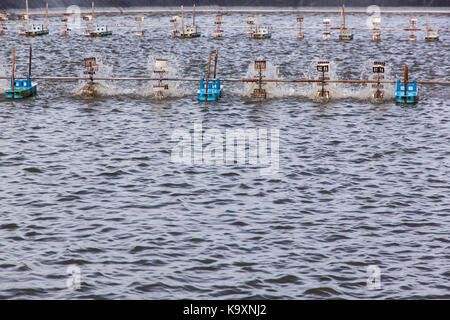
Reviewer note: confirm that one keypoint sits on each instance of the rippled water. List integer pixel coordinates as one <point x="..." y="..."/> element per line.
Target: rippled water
<point x="89" y="182"/>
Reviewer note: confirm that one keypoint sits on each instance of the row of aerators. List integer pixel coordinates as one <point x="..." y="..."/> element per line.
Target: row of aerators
<point x="180" y="30"/>
<point x="212" y="89"/>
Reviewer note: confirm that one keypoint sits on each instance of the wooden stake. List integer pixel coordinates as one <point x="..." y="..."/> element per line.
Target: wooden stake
<point x="215" y="62"/>
<point x="207" y="78"/>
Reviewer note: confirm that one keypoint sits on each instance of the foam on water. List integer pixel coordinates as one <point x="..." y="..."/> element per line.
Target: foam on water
<point x="367" y="91"/>
<point x="336" y="90"/>
<point x="274" y="90"/>
<point x="310" y="90"/>
<point x="103" y="87"/>
<point x="145" y="89"/>
<point x="176" y="88"/>
<point x="3" y="73"/>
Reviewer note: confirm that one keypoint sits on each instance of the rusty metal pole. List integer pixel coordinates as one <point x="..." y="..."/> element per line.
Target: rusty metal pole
<point x="28" y="17"/>
<point x="13" y="69"/>
<point x="46" y="16"/>
<point x="405" y="79"/>
<point x="343" y="14"/>
<point x="323" y="83"/>
<point x="215" y="62"/>
<point x="93" y="15"/>
<point x="260" y="80"/>
<point x="207" y="78"/>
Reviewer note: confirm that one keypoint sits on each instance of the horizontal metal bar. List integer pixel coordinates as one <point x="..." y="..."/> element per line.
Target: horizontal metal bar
<point x="245" y="80"/>
<point x="122" y="11"/>
<point x="112" y="78"/>
<point x="144" y="26"/>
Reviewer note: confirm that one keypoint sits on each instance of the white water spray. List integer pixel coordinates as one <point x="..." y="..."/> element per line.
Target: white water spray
<point x="368" y="90"/>
<point x="4" y="83"/>
<point x="176" y="89"/>
<point x="102" y="87"/>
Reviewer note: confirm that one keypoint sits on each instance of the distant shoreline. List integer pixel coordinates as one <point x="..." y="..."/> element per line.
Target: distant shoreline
<point x="232" y="9"/>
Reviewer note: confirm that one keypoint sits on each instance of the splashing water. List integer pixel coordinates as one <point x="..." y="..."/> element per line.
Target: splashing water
<point x="274" y="90"/>
<point x="280" y="90"/>
<point x="102" y="87"/>
<point x="368" y="90"/>
<point x="4" y="83"/>
<point x="176" y="89"/>
<point x="335" y="90"/>
<point x="109" y="88"/>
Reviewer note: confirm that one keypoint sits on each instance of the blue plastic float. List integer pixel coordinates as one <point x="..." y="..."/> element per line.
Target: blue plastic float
<point x="408" y="96"/>
<point x="22" y="88"/>
<point x="215" y="90"/>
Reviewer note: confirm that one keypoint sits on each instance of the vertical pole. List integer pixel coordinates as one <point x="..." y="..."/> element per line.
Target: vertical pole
<point x="46" y="16"/>
<point x="343" y="14"/>
<point x="260" y="80"/>
<point x="207" y="78"/>
<point x="193" y="15"/>
<point x="215" y="62"/>
<point x="405" y="79"/>
<point x="182" y="20"/>
<point x="29" y="63"/>
<point x="256" y="23"/>
<point x="28" y="17"/>
<point x="323" y="83"/>
<point x="13" y="69"/>
<point x="427" y="33"/>
<point x="378" y="84"/>
<point x="93" y="16"/>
